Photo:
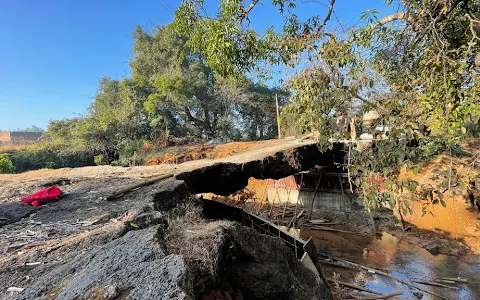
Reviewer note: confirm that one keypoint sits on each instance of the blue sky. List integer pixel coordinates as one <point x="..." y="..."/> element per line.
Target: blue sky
<point x="52" y="53"/>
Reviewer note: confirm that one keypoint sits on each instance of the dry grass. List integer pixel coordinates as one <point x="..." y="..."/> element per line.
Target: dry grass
<point x="69" y="241"/>
<point x="11" y="148"/>
<point x="196" y="239"/>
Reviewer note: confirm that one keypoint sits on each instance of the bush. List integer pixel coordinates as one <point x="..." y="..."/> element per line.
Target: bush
<point x="289" y="124"/>
<point x="431" y="147"/>
<point x="100" y="159"/>
<point x="50" y="156"/>
<point x="6" y="165"/>
<point x="128" y="152"/>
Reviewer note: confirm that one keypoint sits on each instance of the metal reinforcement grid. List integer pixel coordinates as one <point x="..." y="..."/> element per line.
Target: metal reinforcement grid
<point x="217" y="210"/>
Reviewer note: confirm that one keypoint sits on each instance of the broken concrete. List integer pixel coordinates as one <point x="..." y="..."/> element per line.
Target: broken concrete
<point x="264" y="268"/>
<point x="227" y="178"/>
<point x="135" y="248"/>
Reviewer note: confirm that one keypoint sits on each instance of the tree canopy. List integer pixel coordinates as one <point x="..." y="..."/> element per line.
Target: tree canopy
<point x="172" y="92"/>
<point x="419" y="68"/>
<point x="206" y="76"/>
<point x="422" y="57"/>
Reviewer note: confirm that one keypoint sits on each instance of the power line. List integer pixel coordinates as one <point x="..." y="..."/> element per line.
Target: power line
<point x="165" y="6"/>
<point x="168" y="4"/>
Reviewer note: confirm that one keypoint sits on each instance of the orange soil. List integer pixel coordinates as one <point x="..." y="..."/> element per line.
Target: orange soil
<point x="180" y="154"/>
<point x="259" y="188"/>
<point x="458" y="219"/>
<point x="254" y="192"/>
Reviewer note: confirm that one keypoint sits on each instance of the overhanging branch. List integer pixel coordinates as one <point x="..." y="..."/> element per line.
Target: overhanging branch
<point x="376" y="106"/>
<point x="327" y="17"/>
<point x="389" y="18"/>
<point x="248" y="9"/>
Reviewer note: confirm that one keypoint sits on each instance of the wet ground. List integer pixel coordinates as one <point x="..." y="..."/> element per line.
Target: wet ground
<point x="402" y="260"/>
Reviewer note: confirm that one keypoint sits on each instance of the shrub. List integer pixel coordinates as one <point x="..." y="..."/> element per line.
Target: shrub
<point x="100" y="159"/>
<point x="47" y="155"/>
<point x="128" y="152"/>
<point x="289" y="123"/>
<point x="431" y="147"/>
<point x="6" y="165"/>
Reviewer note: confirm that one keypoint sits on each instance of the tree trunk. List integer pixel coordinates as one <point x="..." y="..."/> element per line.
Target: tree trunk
<point x="261" y="128"/>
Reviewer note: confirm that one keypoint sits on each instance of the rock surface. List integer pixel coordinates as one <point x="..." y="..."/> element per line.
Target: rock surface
<point x="133" y="266"/>
<point x="83" y="247"/>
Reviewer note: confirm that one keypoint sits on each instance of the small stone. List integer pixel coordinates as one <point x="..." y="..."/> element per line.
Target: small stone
<point x="14" y="289"/>
<point x="111" y="292"/>
<point x="433" y="249"/>
<point x="418" y="295"/>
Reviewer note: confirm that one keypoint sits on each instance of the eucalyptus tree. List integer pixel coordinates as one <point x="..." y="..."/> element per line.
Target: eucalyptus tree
<point x="422" y="59"/>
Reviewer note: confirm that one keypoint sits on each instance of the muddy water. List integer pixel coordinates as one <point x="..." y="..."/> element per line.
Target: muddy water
<point x="401" y="259"/>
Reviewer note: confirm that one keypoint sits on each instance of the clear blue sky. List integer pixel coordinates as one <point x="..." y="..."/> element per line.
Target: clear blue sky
<point x="52" y="53"/>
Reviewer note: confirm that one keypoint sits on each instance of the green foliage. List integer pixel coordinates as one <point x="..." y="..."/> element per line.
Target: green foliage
<point x="384" y="157"/>
<point x="416" y="68"/>
<point x="289" y="122"/>
<point x="431" y="147"/>
<point x="228" y="48"/>
<point x="47" y="155"/>
<point x="6" y="165"/>
<point x="100" y="160"/>
<point x="32" y="129"/>
<point x="128" y="153"/>
<point x="258" y="111"/>
<point x="432" y="71"/>
<point x="429" y="68"/>
<point x="185" y="95"/>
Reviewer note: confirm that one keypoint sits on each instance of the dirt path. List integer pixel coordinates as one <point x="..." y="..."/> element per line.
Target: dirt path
<point x="150" y="171"/>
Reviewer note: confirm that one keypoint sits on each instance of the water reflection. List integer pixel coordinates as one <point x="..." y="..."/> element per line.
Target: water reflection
<point x="401" y="259"/>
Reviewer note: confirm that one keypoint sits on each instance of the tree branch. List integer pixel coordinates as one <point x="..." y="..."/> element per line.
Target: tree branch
<point x="191" y="118"/>
<point x="327" y="17"/>
<point x="379" y="108"/>
<point x="388" y="19"/>
<point x="443" y="16"/>
<point x="248" y="9"/>
<point x="393" y="17"/>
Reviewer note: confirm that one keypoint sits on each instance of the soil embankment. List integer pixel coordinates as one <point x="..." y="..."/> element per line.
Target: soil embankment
<point x="152" y="242"/>
<point x="460" y="218"/>
<point x="71" y="248"/>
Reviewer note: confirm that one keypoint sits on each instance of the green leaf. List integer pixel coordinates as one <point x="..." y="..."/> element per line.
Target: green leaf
<point x="424" y="211"/>
<point x="392" y="202"/>
<point x="440" y="195"/>
<point x="443" y="203"/>
<point x="133" y="225"/>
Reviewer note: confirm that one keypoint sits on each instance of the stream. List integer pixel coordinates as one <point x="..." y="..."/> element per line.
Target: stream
<point x="401" y="259"/>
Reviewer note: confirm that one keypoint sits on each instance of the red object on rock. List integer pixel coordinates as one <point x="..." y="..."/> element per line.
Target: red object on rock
<point x="43" y="196"/>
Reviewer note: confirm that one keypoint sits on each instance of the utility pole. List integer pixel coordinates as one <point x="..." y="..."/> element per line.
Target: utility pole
<point x="278" y="117"/>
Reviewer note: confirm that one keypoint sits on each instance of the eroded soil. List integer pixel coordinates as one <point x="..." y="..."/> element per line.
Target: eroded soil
<point x="150" y="243"/>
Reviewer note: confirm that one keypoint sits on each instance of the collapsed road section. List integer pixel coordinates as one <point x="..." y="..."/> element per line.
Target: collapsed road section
<point x="154" y="242"/>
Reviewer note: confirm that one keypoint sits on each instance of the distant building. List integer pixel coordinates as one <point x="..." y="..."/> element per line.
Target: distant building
<point x="19" y="137"/>
<point x="4" y="137"/>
